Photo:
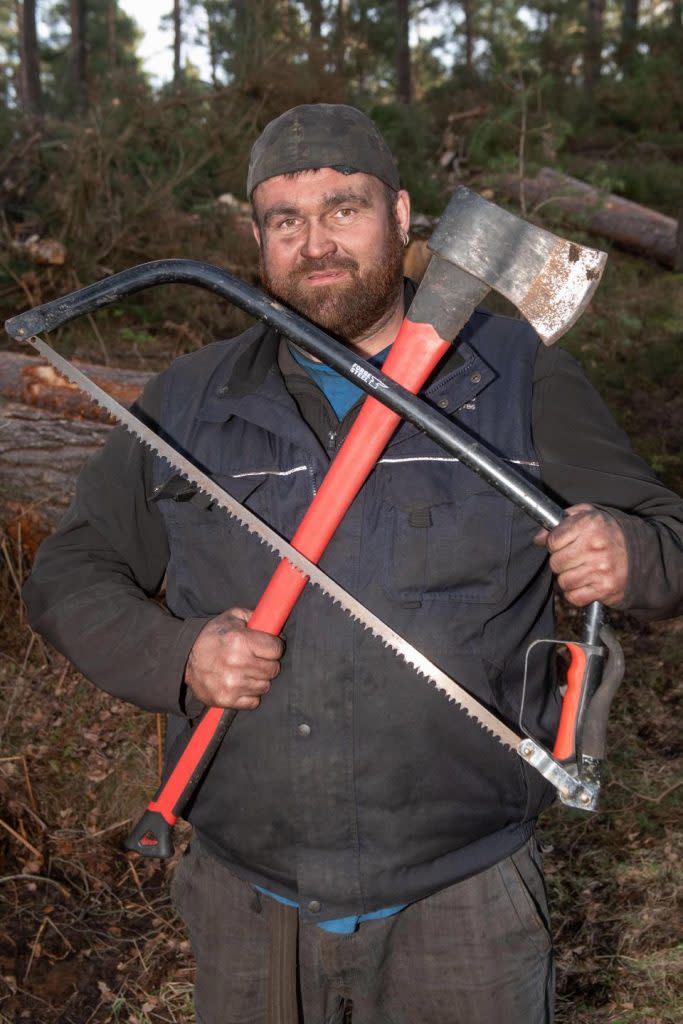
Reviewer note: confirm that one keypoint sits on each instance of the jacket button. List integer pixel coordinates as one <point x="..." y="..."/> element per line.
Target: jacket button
<point x="314" y="906"/>
<point x="442" y="403"/>
<point x="475" y="378"/>
<point x="304" y="729"/>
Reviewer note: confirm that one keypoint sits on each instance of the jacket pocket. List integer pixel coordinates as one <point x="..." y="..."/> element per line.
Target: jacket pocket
<point x="184" y="507"/>
<point x="214" y="562"/>
<point x="453" y="551"/>
<point x="522" y="877"/>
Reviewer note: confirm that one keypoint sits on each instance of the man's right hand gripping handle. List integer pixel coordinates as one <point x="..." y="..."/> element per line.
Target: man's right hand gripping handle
<point x="230" y="667"/>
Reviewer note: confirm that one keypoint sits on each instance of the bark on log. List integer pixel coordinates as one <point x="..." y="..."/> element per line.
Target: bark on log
<point x="47" y="431"/>
<point x="28" y="379"/>
<point x="629" y="225"/>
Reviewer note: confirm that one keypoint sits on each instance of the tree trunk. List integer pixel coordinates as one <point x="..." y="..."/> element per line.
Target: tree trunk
<point x="629" y="32"/>
<point x="112" y="8"/>
<point x="286" y="19"/>
<point x="630" y="225"/>
<point x="49" y="429"/>
<point x="245" y="55"/>
<point x="361" y="50"/>
<point x="177" y="42"/>
<point x="403" y="78"/>
<point x="30" y="91"/>
<point x="41" y="456"/>
<point x="468" y="8"/>
<point x="340" y="36"/>
<point x="592" y="54"/>
<point x="29" y="380"/>
<point x="79" y="59"/>
<point x="676" y="42"/>
<point x="315" y="15"/>
<point x="212" y="41"/>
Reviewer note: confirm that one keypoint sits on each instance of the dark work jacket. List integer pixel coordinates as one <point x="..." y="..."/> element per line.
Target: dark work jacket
<point x="356" y="785"/>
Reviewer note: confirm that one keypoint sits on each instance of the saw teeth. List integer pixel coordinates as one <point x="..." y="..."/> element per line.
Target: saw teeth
<point x="314" y="575"/>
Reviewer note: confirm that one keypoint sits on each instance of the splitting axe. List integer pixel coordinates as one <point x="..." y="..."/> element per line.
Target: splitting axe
<point x="476" y="247"/>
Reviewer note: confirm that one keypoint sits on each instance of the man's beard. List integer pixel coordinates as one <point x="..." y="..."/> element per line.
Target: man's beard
<point x="348" y="309"/>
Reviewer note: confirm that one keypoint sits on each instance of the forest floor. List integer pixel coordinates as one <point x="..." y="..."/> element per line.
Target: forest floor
<point x="87" y="932"/>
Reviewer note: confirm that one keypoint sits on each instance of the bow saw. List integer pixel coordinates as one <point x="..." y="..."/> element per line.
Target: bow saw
<point x="544" y="265"/>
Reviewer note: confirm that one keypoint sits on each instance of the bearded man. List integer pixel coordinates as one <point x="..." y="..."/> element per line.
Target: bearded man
<point x="355" y="837"/>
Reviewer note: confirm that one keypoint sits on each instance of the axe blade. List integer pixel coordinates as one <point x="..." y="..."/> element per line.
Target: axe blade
<point x="549" y="279"/>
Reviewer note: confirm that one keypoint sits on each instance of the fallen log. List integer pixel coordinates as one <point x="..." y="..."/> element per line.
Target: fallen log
<point x="31" y="381"/>
<point x="629" y="225"/>
<point x="48" y="429"/>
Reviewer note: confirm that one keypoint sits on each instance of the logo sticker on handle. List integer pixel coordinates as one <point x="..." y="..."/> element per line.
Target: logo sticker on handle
<point x="374" y="382"/>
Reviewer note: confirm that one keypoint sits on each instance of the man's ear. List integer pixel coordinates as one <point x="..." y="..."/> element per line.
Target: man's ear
<point x="256" y="231"/>
<point x="403" y="210"/>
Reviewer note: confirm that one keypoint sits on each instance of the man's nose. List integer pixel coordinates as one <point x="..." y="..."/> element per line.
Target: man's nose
<point x="318" y="241"/>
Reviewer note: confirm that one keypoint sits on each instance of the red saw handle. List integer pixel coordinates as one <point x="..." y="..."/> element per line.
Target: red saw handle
<point x="566" y="731"/>
<point x="584" y="675"/>
<point x="594" y="675"/>
<point x="417" y="350"/>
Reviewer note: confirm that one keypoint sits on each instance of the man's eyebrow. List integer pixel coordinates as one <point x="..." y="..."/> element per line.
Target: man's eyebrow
<point x="280" y="210"/>
<point x="331" y="199"/>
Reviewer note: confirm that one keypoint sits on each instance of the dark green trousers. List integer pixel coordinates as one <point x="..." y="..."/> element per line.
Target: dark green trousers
<point x="478" y="952"/>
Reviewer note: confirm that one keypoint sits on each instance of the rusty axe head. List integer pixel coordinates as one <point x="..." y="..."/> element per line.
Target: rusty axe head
<point x="549" y="279"/>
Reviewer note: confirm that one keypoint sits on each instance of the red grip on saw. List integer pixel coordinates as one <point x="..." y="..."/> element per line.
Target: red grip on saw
<point x="414" y="354"/>
<point x="565" y="741"/>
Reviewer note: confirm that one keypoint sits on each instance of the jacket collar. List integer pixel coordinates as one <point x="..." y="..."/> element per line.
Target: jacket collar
<point x="255" y="391"/>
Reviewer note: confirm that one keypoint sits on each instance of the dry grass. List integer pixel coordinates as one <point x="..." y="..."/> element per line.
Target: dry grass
<point x="88" y="933"/>
<point x="615" y="880"/>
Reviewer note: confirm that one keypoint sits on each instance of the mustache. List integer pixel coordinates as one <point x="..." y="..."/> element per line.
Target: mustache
<point x="309" y="265"/>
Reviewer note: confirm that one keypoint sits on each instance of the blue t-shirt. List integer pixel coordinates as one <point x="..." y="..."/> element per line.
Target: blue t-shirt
<point x="339" y="392"/>
<point x="341" y="925"/>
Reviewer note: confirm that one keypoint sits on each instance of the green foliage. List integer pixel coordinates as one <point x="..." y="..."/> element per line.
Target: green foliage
<point x="139" y="175"/>
<point x="137" y="179"/>
<point x="111" y="54"/>
<point x="647" y="101"/>
<point x="413" y="138"/>
<point x="629" y="341"/>
<point x="520" y="112"/>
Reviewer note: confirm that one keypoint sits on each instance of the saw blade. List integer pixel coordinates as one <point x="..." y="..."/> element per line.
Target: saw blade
<point x="268" y="536"/>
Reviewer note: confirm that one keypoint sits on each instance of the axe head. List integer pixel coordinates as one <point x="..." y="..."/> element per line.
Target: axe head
<point x="549" y="279"/>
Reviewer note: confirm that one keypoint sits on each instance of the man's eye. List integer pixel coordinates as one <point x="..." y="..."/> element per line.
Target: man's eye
<point x="345" y="213"/>
<point x="287" y="224"/>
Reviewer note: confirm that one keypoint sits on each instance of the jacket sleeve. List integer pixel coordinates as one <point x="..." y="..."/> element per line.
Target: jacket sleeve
<point x="586" y="457"/>
<point x="94" y="585"/>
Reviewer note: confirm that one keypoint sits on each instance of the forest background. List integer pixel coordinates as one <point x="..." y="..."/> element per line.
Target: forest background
<point x="100" y="169"/>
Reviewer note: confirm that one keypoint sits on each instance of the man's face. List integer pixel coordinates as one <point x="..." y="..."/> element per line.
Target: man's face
<point x="331" y="248"/>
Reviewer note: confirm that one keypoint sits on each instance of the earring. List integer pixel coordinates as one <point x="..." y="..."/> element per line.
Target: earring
<point x="405" y="238"/>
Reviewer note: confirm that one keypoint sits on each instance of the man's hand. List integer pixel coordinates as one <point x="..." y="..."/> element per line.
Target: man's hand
<point x="231" y="666"/>
<point x="588" y="555"/>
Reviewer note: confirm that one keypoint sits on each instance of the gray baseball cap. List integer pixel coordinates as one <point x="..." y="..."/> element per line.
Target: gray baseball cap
<point x="318" y="135"/>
